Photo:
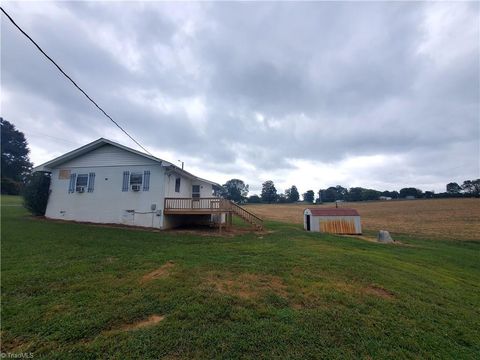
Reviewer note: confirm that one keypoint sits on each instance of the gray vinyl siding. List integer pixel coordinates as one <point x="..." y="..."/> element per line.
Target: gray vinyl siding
<point x="108" y="155"/>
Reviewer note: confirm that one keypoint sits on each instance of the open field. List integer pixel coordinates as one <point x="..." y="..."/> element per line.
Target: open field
<point x="448" y="219"/>
<point x="75" y="291"/>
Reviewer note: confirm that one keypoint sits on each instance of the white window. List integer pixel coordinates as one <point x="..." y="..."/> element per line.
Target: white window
<point x="81" y="183"/>
<point x="82" y="180"/>
<point x="136" y="178"/>
<point x="195" y="191"/>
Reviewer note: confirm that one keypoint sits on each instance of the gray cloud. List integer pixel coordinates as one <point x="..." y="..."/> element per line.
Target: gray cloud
<point x="252" y="90"/>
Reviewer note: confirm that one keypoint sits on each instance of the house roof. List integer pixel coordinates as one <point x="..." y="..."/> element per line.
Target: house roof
<point x="49" y="165"/>
<point x="334" y="212"/>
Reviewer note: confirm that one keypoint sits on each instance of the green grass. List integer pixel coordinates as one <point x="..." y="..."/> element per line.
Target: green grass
<point x="10" y="200"/>
<point x="69" y="289"/>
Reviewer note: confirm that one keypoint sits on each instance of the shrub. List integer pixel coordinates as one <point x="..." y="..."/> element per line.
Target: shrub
<point x="35" y="194"/>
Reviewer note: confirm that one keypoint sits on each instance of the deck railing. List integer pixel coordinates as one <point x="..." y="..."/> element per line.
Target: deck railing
<point x="246" y="215"/>
<point x="210" y="203"/>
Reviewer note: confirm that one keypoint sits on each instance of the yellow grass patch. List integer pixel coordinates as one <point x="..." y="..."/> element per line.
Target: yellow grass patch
<point x="378" y="291"/>
<point x="246" y="285"/>
<point x="150" y="321"/>
<point x="449" y="219"/>
<point x="161" y="272"/>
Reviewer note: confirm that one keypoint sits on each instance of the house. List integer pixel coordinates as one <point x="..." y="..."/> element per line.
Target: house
<point x="387" y="198"/>
<point x="332" y="220"/>
<point x="105" y="182"/>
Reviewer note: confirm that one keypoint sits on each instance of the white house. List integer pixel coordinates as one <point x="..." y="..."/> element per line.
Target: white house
<point x="105" y="182"/>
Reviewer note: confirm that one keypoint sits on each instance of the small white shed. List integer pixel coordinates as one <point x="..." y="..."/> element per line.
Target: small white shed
<point x="332" y="220"/>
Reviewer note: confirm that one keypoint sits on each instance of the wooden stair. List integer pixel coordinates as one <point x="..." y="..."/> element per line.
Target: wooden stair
<point x="246" y="216"/>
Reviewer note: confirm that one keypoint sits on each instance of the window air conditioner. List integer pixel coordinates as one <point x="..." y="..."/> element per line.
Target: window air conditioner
<point x="80" y="189"/>
<point x="135" y="187"/>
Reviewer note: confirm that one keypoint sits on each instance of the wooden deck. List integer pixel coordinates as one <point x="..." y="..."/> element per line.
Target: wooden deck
<point x="190" y="206"/>
<point x="210" y="206"/>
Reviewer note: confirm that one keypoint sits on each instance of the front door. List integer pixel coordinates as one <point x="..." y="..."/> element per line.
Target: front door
<point x="308" y="222"/>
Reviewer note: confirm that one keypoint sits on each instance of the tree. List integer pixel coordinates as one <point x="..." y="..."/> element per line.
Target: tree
<point x="355" y="194"/>
<point x="429" y="194"/>
<point x="269" y="192"/>
<point x="35" y="194"/>
<point x="417" y="193"/>
<point x="476" y="187"/>
<point x="453" y="188"/>
<point x="292" y="194"/>
<point x="254" y="199"/>
<point x="328" y="195"/>
<point x="341" y="193"/>
<point x="235" y="190"/>
<point x="309" y="196"/>
<point x="15" y="164"/>
<point x="471" y="187"/>
<point x="370" y="194"/>
<point x="392" y="194"/>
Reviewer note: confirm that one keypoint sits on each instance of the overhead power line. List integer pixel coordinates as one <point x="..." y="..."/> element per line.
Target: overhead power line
<point x="72" y="81"/>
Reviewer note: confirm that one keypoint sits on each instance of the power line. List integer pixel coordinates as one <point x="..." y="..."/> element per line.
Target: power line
<point x="71" y="80"/>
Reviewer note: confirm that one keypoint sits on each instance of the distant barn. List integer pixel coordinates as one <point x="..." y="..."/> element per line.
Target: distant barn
<point x="333" y="220"/>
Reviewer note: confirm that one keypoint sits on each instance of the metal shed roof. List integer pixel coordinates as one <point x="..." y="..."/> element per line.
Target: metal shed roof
<point x="334" y="212"/>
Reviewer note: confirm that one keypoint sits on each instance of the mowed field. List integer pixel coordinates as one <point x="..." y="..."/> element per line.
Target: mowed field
<point x="77" y="291"/>
<point x="447" y="219"/>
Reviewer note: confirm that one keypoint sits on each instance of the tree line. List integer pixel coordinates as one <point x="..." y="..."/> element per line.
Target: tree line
<point x="236" y="190"/>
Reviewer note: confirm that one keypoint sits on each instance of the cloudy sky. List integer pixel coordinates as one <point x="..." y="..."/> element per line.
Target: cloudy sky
<point x="381" y="95"/>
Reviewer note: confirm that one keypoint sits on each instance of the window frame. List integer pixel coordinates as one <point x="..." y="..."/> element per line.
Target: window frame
<point x="132" y="174"/>
<point x="178" y="184"/>
<point x="196" y="194"/>
<point x="81" y="176"/>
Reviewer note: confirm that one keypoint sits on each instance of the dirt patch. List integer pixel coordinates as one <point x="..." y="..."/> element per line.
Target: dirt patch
<point x="16" y="345"/>
<point x="161" y="272"/>
<point x="198" y="230"/>
<point x="378" y="291"/>
<point x="375" y="240"/>
<point x="361" y="237"/>
<point x="150" y="321"/>
<point x="246" y="285"/>
<point x="368" y="290"/>
<point x="215" y="232"/>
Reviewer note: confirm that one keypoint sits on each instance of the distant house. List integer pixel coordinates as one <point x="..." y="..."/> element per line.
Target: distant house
<point x="105" y="182"/>
<point x="385" y="198"/>
<point x="332" y="220"/>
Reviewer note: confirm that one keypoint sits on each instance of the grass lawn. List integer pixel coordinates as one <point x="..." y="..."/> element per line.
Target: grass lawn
<point x="80" y="291"/>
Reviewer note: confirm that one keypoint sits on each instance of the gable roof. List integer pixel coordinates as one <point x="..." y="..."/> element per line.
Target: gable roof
<point x="334" y="212"/>
<point x="49" y="165"/>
